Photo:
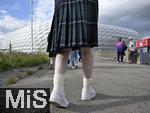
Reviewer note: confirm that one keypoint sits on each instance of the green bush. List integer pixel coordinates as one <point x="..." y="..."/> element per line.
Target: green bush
<point x="15" y="60"/>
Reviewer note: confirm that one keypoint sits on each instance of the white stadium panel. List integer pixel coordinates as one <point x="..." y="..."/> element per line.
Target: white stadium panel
<point x="21" y="39"/>
<point x="108" y="35"/>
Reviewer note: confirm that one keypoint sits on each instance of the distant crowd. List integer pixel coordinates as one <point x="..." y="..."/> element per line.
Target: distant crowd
<point x="121" y="47"/>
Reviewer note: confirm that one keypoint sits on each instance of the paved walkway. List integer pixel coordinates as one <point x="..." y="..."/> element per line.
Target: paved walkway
<point x="121" y="88"/>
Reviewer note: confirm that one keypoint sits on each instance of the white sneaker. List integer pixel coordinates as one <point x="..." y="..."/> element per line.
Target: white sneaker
<point x="88" y="94"/>
<point x="58" y="99"/>
<point x="73" y="67"/>
<point x="118" y="62"/>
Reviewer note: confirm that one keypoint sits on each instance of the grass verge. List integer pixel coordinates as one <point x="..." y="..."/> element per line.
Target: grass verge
<point x="16" y="60"/>
<point x="14" y="78"/>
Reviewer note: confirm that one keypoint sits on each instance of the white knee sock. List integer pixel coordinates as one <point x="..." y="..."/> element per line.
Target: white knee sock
<point x="58" y="82"/>
<point x="87" y="82"/>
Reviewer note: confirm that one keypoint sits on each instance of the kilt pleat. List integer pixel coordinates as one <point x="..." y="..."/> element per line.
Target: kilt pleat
<point x="74" y="25"/>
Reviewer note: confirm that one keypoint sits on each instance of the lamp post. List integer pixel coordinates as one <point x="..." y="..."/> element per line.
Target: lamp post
<point x="10" y="47"/>
<point x="31" y="26"/>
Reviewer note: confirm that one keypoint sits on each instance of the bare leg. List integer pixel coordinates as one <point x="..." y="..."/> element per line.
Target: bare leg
<point x="87" y="91"/>
<point x="87" y="62"/>
<point x="58" y="94"/>
<point x="61" y="61"/>
<point x="60" y="67"/>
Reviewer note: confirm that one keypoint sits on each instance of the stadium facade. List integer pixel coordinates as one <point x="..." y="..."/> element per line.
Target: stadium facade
<point x="21" y="40"/>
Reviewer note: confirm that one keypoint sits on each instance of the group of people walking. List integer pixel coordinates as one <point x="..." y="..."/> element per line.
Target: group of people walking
<point x="121" y="47"/>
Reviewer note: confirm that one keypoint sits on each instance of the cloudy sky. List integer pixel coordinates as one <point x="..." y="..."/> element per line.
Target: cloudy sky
<point x="133" y="14"/>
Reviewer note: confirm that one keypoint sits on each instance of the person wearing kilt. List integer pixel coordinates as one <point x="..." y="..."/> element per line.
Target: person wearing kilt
<point x="74" y="27"/>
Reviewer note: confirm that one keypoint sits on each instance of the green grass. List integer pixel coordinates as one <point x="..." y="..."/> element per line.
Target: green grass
<point x="14" y="78"/>
<point x="11" y="80"/>
<point x="16" y="60"/>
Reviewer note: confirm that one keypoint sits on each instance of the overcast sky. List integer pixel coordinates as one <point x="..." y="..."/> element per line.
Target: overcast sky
<point x="133" y="14"/>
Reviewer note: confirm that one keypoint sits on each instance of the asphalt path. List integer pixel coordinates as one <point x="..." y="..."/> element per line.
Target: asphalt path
<point x="121" y="88"/>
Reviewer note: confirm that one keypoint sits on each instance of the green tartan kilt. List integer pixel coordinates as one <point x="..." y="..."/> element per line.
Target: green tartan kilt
<point x="74" y="25"/>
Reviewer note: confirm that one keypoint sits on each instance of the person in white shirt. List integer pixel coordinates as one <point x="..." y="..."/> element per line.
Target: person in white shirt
<point x="132" y="50"/>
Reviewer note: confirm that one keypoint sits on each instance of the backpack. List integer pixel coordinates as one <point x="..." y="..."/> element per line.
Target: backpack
<point x="125" y="47"/>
